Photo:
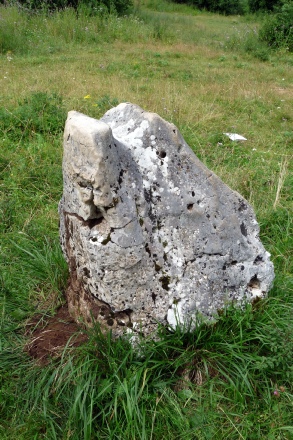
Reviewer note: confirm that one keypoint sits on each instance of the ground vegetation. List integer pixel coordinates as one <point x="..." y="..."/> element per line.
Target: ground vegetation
<point x="208" y="74"/>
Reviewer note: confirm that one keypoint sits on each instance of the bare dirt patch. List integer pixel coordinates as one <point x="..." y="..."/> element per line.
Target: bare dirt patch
<point x="50" y="337"/>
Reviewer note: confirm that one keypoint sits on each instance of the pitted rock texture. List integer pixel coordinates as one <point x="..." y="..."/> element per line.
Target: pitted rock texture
<point x="150" y="234"/>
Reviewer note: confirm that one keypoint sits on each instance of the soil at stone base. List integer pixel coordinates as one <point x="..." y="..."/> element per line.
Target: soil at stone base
<point x="49" y="338"/>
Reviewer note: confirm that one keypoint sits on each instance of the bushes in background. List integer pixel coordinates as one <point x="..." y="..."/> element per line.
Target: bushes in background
<point x="277" y="30"/>
<point x="236" y="7"/>
<point x="263" y="5"/>
<point x="226" y="7"/>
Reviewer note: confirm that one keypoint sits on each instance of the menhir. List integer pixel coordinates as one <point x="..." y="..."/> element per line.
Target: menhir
<point x="151" y="235"/>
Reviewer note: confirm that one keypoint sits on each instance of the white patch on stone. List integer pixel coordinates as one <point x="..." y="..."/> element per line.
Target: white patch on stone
<point x="174" y="316"/>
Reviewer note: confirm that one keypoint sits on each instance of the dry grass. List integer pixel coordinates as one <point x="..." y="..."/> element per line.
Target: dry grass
<point x="281" y="180"/>
<point x="113" y="70"/>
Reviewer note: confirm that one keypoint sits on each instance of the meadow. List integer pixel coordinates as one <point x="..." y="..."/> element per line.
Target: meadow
<point x="208" y="74"/>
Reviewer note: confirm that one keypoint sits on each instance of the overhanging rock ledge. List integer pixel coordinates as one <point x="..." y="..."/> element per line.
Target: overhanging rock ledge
<point x="150" y="233"/>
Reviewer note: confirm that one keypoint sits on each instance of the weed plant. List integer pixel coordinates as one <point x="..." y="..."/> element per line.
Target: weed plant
<point x="232" y="379"/>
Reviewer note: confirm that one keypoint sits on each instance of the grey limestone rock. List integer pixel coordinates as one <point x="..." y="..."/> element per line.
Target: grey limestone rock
<point x="150" y="233"/>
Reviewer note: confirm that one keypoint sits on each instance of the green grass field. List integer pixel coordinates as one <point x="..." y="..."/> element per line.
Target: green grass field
<point x="208" y="74"/>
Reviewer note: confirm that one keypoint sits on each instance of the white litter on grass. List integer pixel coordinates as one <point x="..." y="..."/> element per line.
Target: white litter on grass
<point x="235" y="137"/>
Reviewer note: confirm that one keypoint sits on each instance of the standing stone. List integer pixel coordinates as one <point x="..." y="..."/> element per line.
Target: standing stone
<point x="150" y="233"/>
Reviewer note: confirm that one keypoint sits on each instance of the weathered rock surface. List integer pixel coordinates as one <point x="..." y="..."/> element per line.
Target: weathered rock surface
<point x="150" y="234"/>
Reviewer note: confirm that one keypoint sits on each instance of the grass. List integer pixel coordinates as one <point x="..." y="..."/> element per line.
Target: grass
<point x="209" y="75"/>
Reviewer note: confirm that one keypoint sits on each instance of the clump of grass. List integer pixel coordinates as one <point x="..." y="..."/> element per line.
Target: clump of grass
<point x="105" y="103"/>
<point x="43" y="267"/>
<point x="41" y="113"/>
<point x="281" y="180"/>
<point x="277" y="234"/>
<point x="11" y="39"/>
<point x="247" y="40"/>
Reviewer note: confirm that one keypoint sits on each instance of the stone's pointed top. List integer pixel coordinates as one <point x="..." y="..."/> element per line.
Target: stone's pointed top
<point x="85" y="128"/>
<point x="90" y="166"/>
<point x="150" y="233"/>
